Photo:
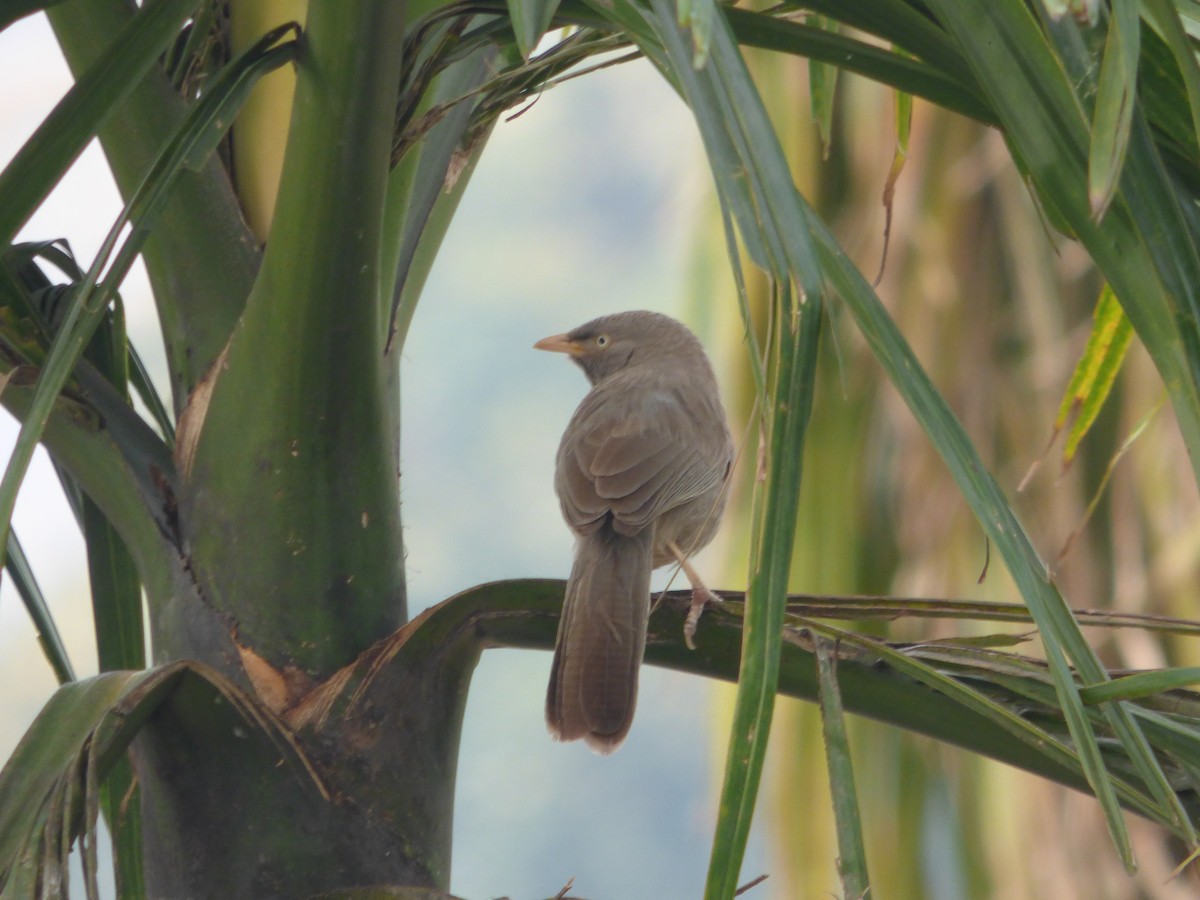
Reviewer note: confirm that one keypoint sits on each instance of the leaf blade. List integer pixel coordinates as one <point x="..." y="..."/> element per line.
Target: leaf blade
<point x="62" y="136"/>
<point x="90" y="301"/>
<point x="1116" y="96"/>
<point x="530" y="21"/>
<point x="19" y="570"/>
<point x="852" y="854"/>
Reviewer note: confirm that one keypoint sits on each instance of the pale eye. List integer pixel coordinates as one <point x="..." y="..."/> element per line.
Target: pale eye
<point x="602" y="340"/>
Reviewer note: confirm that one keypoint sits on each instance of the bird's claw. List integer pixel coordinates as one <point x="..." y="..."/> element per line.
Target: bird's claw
<point x="701" y="597"/>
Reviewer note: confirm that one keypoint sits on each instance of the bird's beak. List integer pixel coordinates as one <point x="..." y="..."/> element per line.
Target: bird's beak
<point x="559" y="343"/>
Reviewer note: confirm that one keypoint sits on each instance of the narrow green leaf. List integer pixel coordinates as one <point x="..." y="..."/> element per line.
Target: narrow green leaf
<point x="115" y="584"/>
<point x="1032" y="88"/>
<point x="1144" y="684"/>
<point x="753" y="349"/>
<point x="633" y="22"/>
<point x="421" y="198"/>
<point x="744" y="154"/>
<point x="1058" y="627"/>
<point x="852" y="853"/>
<point x="143" y="386"/>
<point x="1164" y="19"/>
<point x="1163" y="100"/>
<point x="713" y="109"/>
<point x="1189" y="14"/>
<point x="980" y="641"/>
<point x="116" y="594"/>
<point x="1007" y="717"/>
<point x="116" y="603"/>
<point x="116" y="588"/>
<point x="822" y="87"/>
<point x="754" y="179"/>
<point x="26" y="584"/>
<point x="233" y="88"/>
<point x="1115" y="99"/>
<point x="1175" y="735"/>
<point x="42" y="160"/>
<point x="900" y="23"/>
<point x="530" y="19"/>
<point x="796" y="332"/>
<point x="948" y="87"/>
<point x="90" y="302"/>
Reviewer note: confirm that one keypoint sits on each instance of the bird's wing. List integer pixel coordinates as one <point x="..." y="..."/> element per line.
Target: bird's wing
<point x="636" y="452"/>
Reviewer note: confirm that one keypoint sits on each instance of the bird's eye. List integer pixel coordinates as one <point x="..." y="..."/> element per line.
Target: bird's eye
<point x="602" y="340"/>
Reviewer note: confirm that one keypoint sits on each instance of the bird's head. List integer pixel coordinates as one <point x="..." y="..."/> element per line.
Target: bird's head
<point x="609" y="344"/>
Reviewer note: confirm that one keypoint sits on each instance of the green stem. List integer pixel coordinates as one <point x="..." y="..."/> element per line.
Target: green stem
<point x="291" y="503"/>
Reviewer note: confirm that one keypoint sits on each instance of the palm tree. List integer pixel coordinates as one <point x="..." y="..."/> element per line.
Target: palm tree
<point x="297" y="733"/>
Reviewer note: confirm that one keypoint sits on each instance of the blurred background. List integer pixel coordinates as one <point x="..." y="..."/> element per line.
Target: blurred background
<point x="597" y="199"/>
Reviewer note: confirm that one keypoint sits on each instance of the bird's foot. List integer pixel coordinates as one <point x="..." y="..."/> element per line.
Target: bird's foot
<point x="701" y="597"/>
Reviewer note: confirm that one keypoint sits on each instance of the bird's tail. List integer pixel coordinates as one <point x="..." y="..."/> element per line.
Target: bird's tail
<point x="601" y="637"/>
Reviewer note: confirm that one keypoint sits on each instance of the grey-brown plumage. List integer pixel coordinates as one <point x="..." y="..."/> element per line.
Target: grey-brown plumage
<point x="640" y="477"/>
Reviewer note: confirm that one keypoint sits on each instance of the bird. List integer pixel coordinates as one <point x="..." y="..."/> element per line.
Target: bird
<point x="641" y="475"/>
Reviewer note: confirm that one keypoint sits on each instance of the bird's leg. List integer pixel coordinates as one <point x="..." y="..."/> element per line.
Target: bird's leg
<point x="701" y="595"/>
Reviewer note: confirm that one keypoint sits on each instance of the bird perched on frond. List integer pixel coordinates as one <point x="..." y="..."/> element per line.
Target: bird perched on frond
<point x="641" y="474"/>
